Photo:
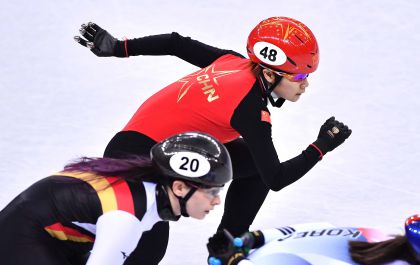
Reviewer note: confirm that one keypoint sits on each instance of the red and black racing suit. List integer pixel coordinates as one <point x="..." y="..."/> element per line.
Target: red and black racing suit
<point x="225" y="99"/>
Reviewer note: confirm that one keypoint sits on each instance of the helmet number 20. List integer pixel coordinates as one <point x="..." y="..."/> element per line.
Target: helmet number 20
<point x="189" y="165"/>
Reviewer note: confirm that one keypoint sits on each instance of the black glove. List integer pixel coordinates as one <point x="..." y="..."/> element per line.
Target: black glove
<point x="251" y="240"/>
<point x="221" y="247"/>
<point x="332" y="134"/>
<point x="99" y="41"/>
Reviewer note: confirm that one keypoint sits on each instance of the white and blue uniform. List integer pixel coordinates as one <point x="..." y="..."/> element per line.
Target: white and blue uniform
<point x="311" y="244"/>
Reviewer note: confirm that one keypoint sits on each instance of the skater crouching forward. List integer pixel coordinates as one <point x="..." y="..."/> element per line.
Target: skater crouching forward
<point x="318" y="244"/>
<point x="104" y="205"/>
<point x="228" y="98"/>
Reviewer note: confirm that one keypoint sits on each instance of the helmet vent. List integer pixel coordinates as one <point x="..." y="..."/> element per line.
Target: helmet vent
<point x="291" y="61"/>
<point x="299" y="38"/>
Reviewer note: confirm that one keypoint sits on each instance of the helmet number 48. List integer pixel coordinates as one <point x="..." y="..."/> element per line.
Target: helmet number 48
<point x="269" y="53"/>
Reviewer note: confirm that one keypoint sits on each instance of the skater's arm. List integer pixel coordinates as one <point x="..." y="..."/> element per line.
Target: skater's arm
<point x="103" y="44"/>
<point x="190" y="50"/>
<point x="258" y="238"/>
<point x="252" y="120"/>
<point x="117" y="235"/>
<point x="255" y="129"/>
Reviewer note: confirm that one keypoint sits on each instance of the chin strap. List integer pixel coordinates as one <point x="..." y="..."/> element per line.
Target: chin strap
<point x="268" y="90"/>
<point x="183" y="201"/>
<point x="164" y="204"/>
<point x="164" y="207"/>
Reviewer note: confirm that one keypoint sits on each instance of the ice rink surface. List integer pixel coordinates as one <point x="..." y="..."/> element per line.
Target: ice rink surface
<point x="59" y="101"/>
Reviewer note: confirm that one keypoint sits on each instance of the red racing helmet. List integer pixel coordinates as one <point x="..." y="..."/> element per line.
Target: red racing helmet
<point x="284" y="44"/>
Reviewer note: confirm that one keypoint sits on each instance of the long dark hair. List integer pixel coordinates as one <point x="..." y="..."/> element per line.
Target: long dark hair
<point x="134" y="168"/>
<point x="397" y="248"/>
<point x="256" y="68"/>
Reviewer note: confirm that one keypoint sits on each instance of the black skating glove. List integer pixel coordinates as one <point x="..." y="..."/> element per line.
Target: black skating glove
<point x="332" y="134"/>
<point x="222" y="250"/>
<point x="100" y="42"/>
<point x="251" y="240"/>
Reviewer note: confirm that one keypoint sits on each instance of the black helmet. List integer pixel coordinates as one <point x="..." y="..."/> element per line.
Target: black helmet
<point x="194" y="157"/>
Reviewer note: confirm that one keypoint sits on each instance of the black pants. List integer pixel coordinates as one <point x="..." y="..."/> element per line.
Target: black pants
<point x="244" y="198"/>
<point x="246" y="193"/>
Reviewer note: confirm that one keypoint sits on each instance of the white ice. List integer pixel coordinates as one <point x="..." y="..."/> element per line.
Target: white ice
<point x="59" y="101"/>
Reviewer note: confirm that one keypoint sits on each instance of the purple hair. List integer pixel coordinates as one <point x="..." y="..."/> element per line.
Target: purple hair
<point x="131" y="168"/>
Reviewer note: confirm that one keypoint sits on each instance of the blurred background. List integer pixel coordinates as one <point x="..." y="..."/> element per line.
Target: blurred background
<point x="60" y="102"/>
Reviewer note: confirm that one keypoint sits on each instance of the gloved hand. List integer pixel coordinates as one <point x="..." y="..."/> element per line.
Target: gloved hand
<point x="98" y="40"/>
<point x="222" y="250"/>
<point x="249" y="240"/>
<point x="332" y="134"/>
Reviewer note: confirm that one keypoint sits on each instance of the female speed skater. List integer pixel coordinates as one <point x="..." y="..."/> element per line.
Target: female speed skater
<point x="228" y="98"/>
<point x="97" y="209"/>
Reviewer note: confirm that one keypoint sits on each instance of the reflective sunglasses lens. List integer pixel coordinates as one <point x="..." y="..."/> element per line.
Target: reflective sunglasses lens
<point x="299" y="77"/>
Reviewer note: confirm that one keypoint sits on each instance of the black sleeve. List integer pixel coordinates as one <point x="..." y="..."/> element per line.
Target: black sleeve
<point x="257" y="134"/>
<point x="192" y="51"/>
